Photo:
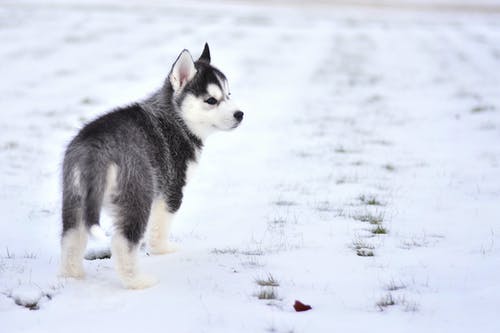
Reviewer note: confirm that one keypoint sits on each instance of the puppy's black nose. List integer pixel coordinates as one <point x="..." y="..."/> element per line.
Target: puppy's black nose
<point x="238" y="115"/>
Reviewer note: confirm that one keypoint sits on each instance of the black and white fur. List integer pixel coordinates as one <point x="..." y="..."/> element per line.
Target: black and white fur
<point x="137" y="159"/>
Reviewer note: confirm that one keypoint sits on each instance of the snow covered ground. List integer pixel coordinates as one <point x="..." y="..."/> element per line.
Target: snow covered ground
<point x="365" y="180"/>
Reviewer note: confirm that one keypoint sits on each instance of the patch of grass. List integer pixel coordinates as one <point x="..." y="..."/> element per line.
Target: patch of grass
<point x="381" y="142"/>
<point x="393" y="285"/>
<point x="346" y="180"/>
<point x="234" y="251"/>
<point x="8" y="254"/>
<point x="482" y="108"/>
<point x="389" y="300"/>
<point x="269" y="281"/>
<point x="417" y="241"/>
<point x="375" y="219"/>
<point x="374" y="98"/>
<point x="364" y="253"/>
<point x="341" y="180"/>
<point x="87" y="101"/>
<point x="252" y="262"/>
<point x="379" y="230"/>
<point x="252" y="252"/>
<point x="267" y="294"/>
<point x="362" y="248"/>
<point x="9" y="145"/>
<point x="340" y="150"/>
<point x="278" y="220"/>
<point x="409" y="306"/>
<point x="359" y="244"/>
<point x="229" y="250"/>
<point x="284" y="203"/>
<point x="30" y="255"/>
<point x="385" y="302"/>
<point x="370" y="200"/>
<point x="389" y="167"/>
<point x="410" y="244"/>
<point x="340" y="212"/>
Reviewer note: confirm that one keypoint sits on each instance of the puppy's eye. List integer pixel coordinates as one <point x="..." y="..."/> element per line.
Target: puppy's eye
<point x="211" y="101"/>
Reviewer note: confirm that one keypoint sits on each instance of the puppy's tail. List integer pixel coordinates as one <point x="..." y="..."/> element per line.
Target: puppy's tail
<point x="94" y="185"/>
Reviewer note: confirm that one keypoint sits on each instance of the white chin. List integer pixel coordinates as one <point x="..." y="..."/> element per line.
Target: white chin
<point x="225" y="128"/>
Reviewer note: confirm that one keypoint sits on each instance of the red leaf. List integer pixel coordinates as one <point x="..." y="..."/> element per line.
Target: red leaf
<point x="299" y="306"/>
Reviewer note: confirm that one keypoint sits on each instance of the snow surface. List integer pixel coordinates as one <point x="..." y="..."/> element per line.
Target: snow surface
<point x="342" y="105"/>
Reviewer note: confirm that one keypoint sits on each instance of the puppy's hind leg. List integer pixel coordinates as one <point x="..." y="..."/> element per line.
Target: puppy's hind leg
<point x="73" y="244"/>
<point x="125" y="254"/>
<point x="160" y="221"/>
<point x="133" y="204"/>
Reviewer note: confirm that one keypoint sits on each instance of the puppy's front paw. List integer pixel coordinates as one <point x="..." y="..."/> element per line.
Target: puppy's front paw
<point x="141" y="281"/>
<point x="74" y="272"/>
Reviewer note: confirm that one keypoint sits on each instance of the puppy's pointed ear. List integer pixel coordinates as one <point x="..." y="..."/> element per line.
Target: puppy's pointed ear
<point x="205" y="55"/>
<point x="182" y="71"/>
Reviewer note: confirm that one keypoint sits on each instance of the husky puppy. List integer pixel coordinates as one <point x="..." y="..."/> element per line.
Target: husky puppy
<point x="137" y="159"/>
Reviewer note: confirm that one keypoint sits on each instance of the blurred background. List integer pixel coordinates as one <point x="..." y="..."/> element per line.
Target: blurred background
<point x="364" y="179"/>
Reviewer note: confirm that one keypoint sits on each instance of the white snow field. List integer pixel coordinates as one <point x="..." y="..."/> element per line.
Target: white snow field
<point x="364" y="180"/>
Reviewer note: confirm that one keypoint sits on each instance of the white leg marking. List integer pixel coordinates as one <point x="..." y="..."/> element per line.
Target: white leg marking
<point x="73" y="246"/>
<point x="159" y="225"/>
<point x="125" y="258"/>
